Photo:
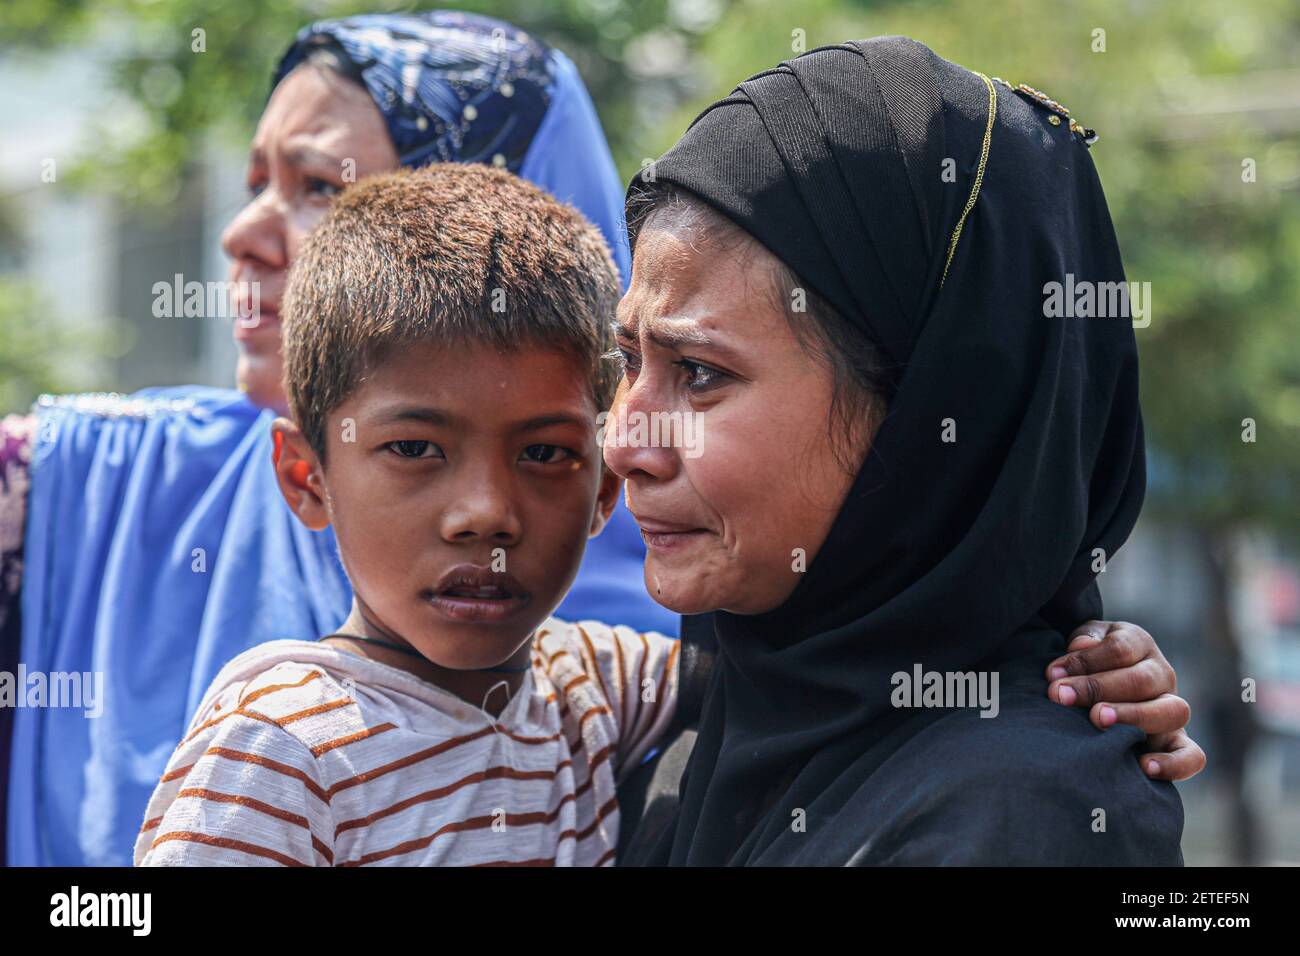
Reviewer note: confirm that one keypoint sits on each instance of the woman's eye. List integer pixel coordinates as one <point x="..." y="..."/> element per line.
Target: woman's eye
<point x="415" y="449"/>
<point x="546" y="454"/>
<point x="624" y="361"/>
<point x="255" y="189"/>
<point x="700" y="378"/>
<point x="321" y="187"/>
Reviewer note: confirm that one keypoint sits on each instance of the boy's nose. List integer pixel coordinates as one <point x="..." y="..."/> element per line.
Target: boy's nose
<point x="483" y="511"/>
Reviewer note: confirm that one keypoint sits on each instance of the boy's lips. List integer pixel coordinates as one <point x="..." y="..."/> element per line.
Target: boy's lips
<point x="469" y="592"/>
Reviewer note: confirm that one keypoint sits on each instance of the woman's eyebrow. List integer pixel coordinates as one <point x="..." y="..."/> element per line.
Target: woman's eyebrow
<point x="666" y="335"/>
<point x="675" y="336"/>
<point x="308" y="156"/>
<point x="300" y="156"/>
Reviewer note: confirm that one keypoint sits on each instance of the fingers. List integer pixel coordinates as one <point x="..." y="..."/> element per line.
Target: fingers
<point x="1166" y="714"/>
<point x="1125" y="666"/>
<point x="1174" y="756"/>
<point x="1094" y="630"/>
<point x="1144" y="681"/>
<point x="1122" y="646"/>
<point x="1117" y="671"/>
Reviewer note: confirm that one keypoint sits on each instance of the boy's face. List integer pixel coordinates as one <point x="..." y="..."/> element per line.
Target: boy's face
<point x="462" y="484"/>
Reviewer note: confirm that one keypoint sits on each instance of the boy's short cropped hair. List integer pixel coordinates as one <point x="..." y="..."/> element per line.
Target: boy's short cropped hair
<point x="450" y="253"/>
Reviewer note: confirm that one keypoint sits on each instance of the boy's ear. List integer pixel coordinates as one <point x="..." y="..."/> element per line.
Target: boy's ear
<point x="298" y="472"/>
<point x="611" y="486"/>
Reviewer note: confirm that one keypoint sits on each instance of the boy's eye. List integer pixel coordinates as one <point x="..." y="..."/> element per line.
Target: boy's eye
<point x="415" y="449"/>
<point x="700" y="378"/>
<point x="546" y="454"/>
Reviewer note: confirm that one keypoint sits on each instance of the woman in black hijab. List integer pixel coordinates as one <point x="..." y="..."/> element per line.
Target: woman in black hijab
<point x="928" y="208"/>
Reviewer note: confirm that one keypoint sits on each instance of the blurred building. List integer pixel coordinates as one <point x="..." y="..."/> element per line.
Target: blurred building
<point x="92" y="256"/>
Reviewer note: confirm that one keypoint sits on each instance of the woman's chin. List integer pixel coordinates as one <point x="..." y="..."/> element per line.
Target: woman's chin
<point x="260" y="384"/>
<point x="684" y="592"/>
<point x="678" y="591"/>
<point x="664" y="588"/>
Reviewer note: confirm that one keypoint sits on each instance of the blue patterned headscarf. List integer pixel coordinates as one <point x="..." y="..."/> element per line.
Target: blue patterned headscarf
<point x="452" y="87"/>
<point x="462" y="88"/>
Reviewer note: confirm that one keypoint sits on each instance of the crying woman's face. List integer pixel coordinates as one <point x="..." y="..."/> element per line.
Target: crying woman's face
<point x="737" y="503"/>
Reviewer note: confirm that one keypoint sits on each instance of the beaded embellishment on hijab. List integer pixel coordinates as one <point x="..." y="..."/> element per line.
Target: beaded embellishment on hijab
<point x="1042" y="99"/>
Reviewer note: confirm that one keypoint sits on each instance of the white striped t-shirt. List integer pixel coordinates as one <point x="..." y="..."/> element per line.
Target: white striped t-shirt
<point x="303" y="754"/>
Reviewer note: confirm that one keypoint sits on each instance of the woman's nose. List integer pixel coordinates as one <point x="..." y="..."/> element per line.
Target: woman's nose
<point x="257" y="234"/>
<point x="633" y="435"/>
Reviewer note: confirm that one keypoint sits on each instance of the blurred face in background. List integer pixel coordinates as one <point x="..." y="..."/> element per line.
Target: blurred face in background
<point x="317" y="128"/>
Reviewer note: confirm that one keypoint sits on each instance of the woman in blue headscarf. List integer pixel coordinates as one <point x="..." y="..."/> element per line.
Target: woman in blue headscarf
<point x="157" y="545"/>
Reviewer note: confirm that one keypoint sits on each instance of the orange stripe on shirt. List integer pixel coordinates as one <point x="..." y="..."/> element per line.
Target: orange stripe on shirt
<point x="550" y="862"/>
<point x="351" y="739"/>
<point x="662" y="685"/>
<point x="216" y="796"/>
<point x="239" y="712"/>
<point x="272" y="688"/>
<point x="460" y="826"/>
<point x="270" y="764"/>
<point x="312" y="711"/>
<point x="622" y="682"/>
<point x="176" y="774"/>
<point x="434" y="751"/>
<point x="610" y="806"/>
<point x="410" y="759"/>
<point x="640" y="681"/>
<point x="252" y="803"/>
<point x="580" y="679"/>
<point x="595" y="662"/>
<point x="597" y="759"/>
<point x="226" y="843"/>
<point x="592" y="712"/>
<point x="492" y="773"/>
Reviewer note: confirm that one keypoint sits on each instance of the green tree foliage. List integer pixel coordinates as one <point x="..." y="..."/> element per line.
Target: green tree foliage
<point x="35" y="352"/>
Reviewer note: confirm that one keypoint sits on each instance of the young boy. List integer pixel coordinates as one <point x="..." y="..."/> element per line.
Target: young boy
<point x="444" y="332"/>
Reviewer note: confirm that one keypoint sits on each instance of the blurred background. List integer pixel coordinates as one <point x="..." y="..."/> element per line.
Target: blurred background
<point x="121" y="159"/>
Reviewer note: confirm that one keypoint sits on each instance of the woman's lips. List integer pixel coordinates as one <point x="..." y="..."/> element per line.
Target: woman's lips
<point x="665" y="536"/>
<point x="469" y="593"/>
<point x="249" y="329"/>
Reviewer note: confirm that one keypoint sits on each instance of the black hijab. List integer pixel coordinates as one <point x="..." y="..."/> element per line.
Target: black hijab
<point x="964" y="555"/>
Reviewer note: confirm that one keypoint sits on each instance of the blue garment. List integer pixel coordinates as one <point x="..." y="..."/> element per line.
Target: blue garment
<point x="158" y="547"/>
